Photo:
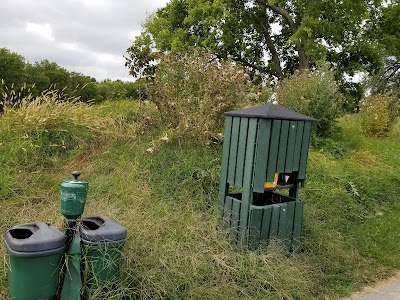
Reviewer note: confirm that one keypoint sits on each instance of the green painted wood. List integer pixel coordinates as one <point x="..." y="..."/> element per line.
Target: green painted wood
<point x="244" y="124"/>
<point x="235" y="218"/>
<point x="304" y="150"/>
<point x="247" y="195"/>
<point x="228" y="210"/>
<point x="223" y="187"/>
<point x="283" y="141"/>
<point x="266" y="222"/>
<point x="297" y="146"/>
<point x="255" y="222"/>
<point x="298" y="220"/>
<point x="290" y="219"/>
<point x="290" y="147"/>
<point x="282" y="226"/>
<point x="273" y="230"/>
<point x="273" y="150"/>
<point x="233" y="149"/>
<point x="263" y="136"/>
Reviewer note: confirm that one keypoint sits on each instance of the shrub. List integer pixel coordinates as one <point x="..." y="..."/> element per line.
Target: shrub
<point x="193" y="90"/>
<point x="378" y="113"/>
<point x="315" y="94"/>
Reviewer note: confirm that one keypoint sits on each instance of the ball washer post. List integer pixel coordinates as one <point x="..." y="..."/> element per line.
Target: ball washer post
<point x="73" y="199"/>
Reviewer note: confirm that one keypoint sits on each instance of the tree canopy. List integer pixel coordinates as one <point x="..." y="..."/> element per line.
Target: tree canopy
<point x="38" y="77"/>
<point x="387" y="33"/>
<point x="270" y="38"/>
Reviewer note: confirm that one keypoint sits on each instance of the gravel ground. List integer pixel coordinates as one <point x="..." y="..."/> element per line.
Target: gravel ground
<point x="387" y="290"/>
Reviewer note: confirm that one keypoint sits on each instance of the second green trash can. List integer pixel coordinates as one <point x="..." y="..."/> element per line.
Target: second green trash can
<point x="35" y="252"/>
<point x="102" y="242"/>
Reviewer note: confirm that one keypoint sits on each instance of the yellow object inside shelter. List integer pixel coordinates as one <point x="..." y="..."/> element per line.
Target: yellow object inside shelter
<point x="271" y="185"/>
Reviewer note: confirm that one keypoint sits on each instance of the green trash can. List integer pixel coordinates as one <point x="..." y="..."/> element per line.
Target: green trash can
<point x="35" y="252"/>
<point x="102" y="241"/>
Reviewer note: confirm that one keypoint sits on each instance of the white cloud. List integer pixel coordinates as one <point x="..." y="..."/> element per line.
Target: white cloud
<point x="70" y="46"/>
<point x="43" y="30"/>
<point x="87" y="36"/>
<point x="108" y="58"/>
<point x="134" y="34"/>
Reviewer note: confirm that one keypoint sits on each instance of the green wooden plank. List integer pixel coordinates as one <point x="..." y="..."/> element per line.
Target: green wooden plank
<point x="290" y="146"/>
<point x="283" y="141"/>
<point x="264" y="133"/>
<point x="256" y="214"/>
<point x="273" y="230"/>
<point x="304" y="150"/>
<point x="223" y="187"/>
<point x="273" y="150"/>
<point x="282" y="226"/>
<point x="266" y="222"/>
<point x="233" y="150"/>
<point x="235" y="218"/>
<point x="247" y="195"/>
<point x="244" y="124"/>
<point x="298" y="220"/>
<point x="228" y="210"/>
<point x="297" y="146"/>
<point x="290" y="219"/>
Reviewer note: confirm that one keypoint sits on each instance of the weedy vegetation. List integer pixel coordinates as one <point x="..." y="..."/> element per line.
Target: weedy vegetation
<point x="167" y="199"/>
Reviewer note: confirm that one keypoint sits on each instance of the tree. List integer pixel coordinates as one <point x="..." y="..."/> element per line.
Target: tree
<point x="36" y="80"/>
<point x="84" y="87"/>
<point x="113" y="90"/>
<point x="12" y="67"/>
<point x="387" y="34"/>
<point x="58" y="76"/>
<point x="141" y="56"/>
<point x="270" y="38"/>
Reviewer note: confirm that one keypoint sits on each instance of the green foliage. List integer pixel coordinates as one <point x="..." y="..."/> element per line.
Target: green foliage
<point x="46" y="75"/>
<point x="387" y="37"/>
<point x="193" y="90"/>
<point x="378" y="113"/>
<point x="141" y="56"/>
<point x="315" y="94"/>
<point x="11" y="67"/>
<point x="31" y="80"/>
<point x="176" y="248"/>
<point x="311" y="32"/>
<point x="119" y="90"/>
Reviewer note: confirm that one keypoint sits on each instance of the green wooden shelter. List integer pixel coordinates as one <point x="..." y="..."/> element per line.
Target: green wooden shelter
<point x="265" y="149"/>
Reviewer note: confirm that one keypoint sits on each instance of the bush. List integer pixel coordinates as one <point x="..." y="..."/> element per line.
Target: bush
<point x="378" y="113"/>
<point x="193" y="90"/>
<point x="315" y="94"/>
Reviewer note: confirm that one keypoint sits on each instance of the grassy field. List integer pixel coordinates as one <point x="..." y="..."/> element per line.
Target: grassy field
<point x="165" y="193"/>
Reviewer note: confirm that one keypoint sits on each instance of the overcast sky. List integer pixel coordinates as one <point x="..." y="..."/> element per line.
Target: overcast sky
<point x="86" y="36"/>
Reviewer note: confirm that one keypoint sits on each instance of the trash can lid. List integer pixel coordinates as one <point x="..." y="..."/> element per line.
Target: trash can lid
<point x="101" y="229"/>
<point x="34" y="237"/>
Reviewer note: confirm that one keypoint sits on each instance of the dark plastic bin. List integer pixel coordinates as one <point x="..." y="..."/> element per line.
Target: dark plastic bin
<point x="35" y="252"/>
<point x="102" y="241"/>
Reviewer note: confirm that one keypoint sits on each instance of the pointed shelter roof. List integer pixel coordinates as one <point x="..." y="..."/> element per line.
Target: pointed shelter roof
<point x="269" y="111"/>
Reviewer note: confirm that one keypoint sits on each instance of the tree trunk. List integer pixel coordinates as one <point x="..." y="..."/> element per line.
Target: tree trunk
<point x="275" y="56"/>
<point x="264" y="23"/>
<point x="304" y="61"/>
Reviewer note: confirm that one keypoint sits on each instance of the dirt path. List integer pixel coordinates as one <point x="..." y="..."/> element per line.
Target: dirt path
<point x="387" y="290"/>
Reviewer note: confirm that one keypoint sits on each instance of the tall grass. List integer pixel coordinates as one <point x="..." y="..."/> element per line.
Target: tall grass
<point x="176" y="248"/>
